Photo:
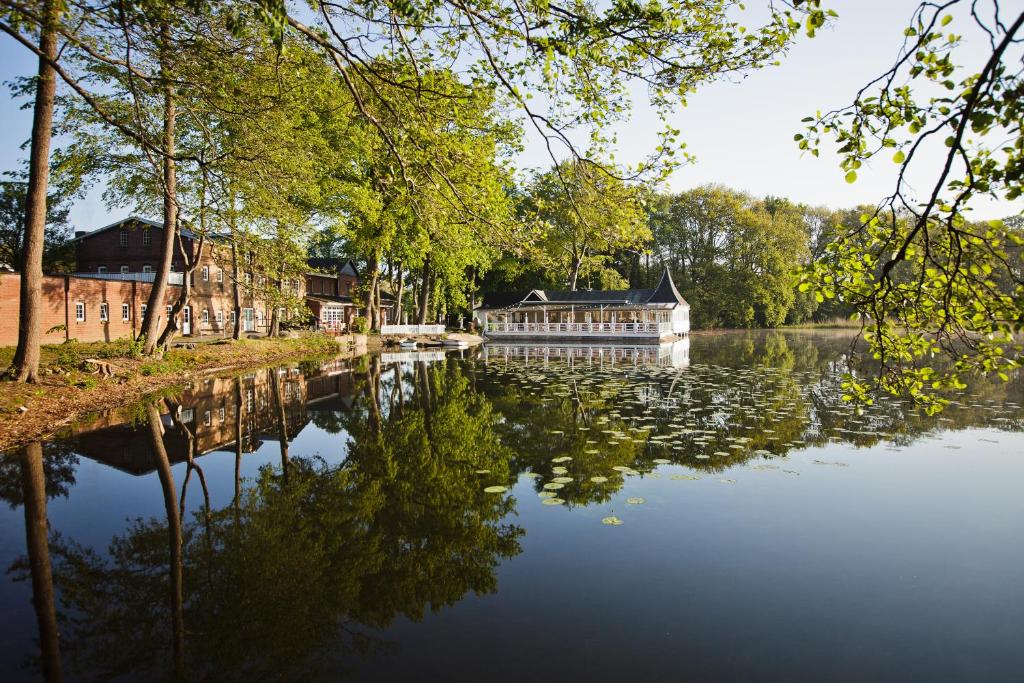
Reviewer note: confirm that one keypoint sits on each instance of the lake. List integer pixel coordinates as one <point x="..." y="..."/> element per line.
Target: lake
<point x="708" y="510"/>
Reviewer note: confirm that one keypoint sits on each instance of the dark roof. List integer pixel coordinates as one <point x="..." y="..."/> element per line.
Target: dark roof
<point x="138" y="221"/>
<point x="340" y="266"/>
<point x="665" y="294"/>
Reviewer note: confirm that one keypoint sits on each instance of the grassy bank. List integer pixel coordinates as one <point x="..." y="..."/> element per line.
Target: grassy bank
<point x="73" y="381"/>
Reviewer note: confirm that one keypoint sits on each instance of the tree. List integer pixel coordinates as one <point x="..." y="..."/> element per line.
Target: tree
<point x="57" y="254"/>
<point x="30" y="295"/>
<point x="584" y="215"/>
<point x="925" y="279"/>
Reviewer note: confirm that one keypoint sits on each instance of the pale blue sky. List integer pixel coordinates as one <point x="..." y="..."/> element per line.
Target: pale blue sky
<point x="741" y="132"/>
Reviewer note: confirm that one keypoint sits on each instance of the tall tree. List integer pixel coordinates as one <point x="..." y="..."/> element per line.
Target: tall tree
<point x="26" y="357"/>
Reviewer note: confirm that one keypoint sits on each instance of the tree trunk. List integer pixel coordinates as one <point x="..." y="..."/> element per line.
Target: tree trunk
<point x="186" y="293"/>
<point x="236" y="289"/>
<point x="163" y="468"/>
<point x="421" y="313"/>
<point x="398" y="295"/>
<point x="281" y="419"/>
<point x="158" y="294"/>
<point x="33" y="487"/>
<point x="26" y="357"/>
<point x="574" y="274"/>
<point x="372" y="309"/>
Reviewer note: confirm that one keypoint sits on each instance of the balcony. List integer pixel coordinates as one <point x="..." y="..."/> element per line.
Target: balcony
<point x="172" y="277"/>
<point x="639" y="329"/>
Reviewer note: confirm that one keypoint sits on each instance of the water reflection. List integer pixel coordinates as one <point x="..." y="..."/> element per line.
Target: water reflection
<point x="381" y="514"/>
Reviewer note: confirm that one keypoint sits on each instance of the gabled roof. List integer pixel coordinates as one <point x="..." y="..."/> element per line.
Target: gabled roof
<point x="138" y="220"/>
<point x="664" y="294"/>
<point x="339" y="266"/>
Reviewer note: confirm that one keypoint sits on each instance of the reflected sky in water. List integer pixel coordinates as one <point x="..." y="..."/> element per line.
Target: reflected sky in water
<point x="330" y="520"/>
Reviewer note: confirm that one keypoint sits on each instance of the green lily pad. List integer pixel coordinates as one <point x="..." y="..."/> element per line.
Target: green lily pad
<point x="562" y="480"/>
<point x="483" y="471"/>
<point x="662" y="461"/>
<point x="635" y="500"/>
<point x="496" y="489"/>
<point x="686" y="477"/>
<point x="562" y="458"/>
<point x="553" y="501"/>
<point x="558" y="470"/>
<point x="611" y="521"/>
<point x="599" y="480"/>
<point x="553" y="486"/>
<point x="622" y="468"/>
<point x="547" y="494"/>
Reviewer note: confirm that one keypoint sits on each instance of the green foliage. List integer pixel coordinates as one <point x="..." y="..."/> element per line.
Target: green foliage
<point x="360" y="325"/>
<point x="926" y="280"/>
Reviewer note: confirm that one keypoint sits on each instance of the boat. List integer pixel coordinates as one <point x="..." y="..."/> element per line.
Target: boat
<point x="407" y="343"/>
<point x="455" y="343"/>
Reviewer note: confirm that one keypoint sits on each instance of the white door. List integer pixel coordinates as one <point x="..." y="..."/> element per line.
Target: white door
<point x="186" y="320"/>
<point x="248" y="324"/>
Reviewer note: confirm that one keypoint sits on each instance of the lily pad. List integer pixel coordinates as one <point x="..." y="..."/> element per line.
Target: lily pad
<point x="496" y="489"/>
<point x="562" y="480"/>
<point x="483" y="471"/>
<point x="635" y="500"/>
<point x="599" y="480"/>
<point x="553" y="501"/>
<point x="553" y="486"/>
<point x="611" y="521"/>
<point x="558" y="470"/>
<point x="562" y="458"/>
<point x="662" y="461"/>
<point x="547" y="494"/>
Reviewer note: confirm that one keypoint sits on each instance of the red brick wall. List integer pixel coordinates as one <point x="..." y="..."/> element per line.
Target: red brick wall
<point x="91" y="293"/>
<point x="104" y="249"/>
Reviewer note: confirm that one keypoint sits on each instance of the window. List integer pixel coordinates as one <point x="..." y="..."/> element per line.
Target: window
<point x="220" y="275"/>
<point x="220" y="414"/>
<point x="206" y="273"/>
<point x="147" y="237"/>
<point x="147" y="268"/>
<point x="206" y="316"/>
<point x="79" y="312"/>
<point x="101" y="269"/>
<point x="104" y="312"/>
<point x="169" y="309"/>
<point x="143" y="310"/>
<point x="124" y="270"/>
<point x="126" y="313"/>
<point x="207" y="418"/>
<point x="248" y="278"/>
<point x="124" y="238"/>
<point x="220" y="317"/>
<point x="232" y="317"/>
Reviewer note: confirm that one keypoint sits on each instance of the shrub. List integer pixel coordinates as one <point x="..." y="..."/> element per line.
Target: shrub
<point x="360" y="325"/>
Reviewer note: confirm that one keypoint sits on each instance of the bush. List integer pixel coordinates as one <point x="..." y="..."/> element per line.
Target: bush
<point x="360" y="325"/>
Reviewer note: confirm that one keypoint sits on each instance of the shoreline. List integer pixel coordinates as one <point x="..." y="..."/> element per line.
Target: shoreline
<point x="31" y="412"/>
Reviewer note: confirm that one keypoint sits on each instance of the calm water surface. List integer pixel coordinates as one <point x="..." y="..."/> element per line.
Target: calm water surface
<point x="706" y="511"/>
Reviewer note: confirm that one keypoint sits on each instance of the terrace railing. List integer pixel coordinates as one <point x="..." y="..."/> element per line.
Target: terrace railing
<point x="582" y="329"/>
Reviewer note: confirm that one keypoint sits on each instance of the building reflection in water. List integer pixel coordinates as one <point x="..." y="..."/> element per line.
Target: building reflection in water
<point x="669" y="354"/>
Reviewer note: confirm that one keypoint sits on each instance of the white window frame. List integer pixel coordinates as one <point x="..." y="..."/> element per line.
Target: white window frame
<point x="144" y="307"/>
<point x="206" y="316"/>
<point x="147" y="268"/>
<point x="104" y="312"/>
<point x="207" y="418"/>
<point x="101" y="269"/>
<point x="79" y="312"/>
<point x="147" y="237"/>
<point x="124" y="270"/>
<point x="126" y="313"/>
<point x="220" y="275"/>
<point x="219" y="316"/>
<point x="206" y="273"/>
<point x="123" y="238"/>
<point x="233" y="319"/>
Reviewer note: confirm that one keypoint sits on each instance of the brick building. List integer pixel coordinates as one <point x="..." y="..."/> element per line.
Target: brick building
<point x="81" y="308"/>
<point x="115" y="268"/>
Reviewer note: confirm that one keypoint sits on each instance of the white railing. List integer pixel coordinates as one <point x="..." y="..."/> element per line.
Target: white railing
<point x="412" y="329"/>
<point x="624" y="329"/>
<point x="172" y="278"/>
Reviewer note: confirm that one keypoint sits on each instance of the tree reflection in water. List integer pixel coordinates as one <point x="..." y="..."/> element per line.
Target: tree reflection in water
<point x="314" y="557"/>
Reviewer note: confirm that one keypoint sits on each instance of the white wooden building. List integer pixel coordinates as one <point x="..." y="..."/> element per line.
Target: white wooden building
<point x="634" y="314"/>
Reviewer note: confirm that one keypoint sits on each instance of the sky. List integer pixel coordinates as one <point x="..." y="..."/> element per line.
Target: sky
<point x="741" y="132"/>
